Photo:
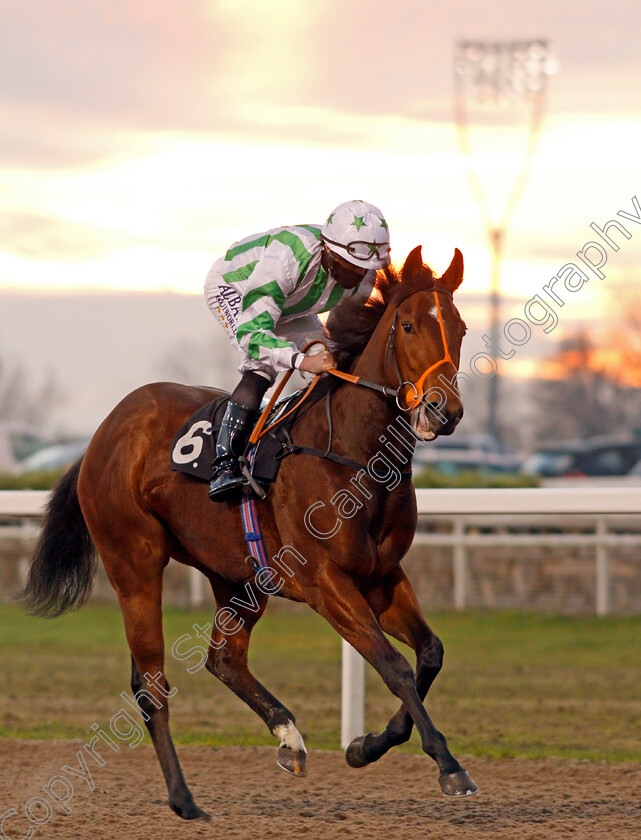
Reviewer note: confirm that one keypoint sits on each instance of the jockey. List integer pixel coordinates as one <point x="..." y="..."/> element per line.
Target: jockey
<point x="266" y="292"/>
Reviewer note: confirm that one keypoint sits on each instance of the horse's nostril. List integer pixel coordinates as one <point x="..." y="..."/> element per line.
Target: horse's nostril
<point x="447" y="419"/>
<point x="438" y="408"/>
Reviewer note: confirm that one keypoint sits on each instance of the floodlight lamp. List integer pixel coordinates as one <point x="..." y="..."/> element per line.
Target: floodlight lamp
<point x="502" y="73"/>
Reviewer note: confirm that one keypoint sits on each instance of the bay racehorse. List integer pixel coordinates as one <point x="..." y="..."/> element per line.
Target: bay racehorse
<point x="336" y="534"/>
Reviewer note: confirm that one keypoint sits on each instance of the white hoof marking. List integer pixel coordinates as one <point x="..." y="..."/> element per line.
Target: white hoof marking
<point x="290" y="737"/>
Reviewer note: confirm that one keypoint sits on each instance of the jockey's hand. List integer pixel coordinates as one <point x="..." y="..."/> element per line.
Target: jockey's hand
<point x="318" y="363"/>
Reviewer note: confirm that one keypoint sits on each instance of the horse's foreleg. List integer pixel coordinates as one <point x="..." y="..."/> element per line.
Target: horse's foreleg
<point x="338" y="599"/>
<point x="228" y="662"/>
<point x="394" y="604"/>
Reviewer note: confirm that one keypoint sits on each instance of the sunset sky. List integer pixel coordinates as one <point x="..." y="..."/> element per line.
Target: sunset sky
<point x="140" y="138"/>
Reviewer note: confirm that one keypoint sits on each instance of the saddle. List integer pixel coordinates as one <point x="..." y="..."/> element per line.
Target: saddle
<point x="193" y="448"/>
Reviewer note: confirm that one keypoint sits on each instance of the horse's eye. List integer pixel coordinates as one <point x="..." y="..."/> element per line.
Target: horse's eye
<point x="408" y="327"/>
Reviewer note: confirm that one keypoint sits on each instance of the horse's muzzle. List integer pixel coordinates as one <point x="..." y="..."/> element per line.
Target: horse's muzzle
<point x="429" y="420"/>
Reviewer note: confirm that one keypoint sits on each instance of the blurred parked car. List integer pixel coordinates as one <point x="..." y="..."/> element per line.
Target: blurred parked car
<point x="480" y="453"/>
<point x="18" y="441"/>
<point x="54" y="457"/>
<point x="553" y="460"/>
<point x="598" y="456"/>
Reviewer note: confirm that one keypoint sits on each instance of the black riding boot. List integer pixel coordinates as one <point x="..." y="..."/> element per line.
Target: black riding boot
<point x="234" y="433"/>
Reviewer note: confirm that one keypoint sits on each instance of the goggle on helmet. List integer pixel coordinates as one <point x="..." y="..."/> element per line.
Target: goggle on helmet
<point x="357" y="232"/>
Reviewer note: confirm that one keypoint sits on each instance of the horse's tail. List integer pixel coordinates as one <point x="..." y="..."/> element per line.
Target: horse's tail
<point x="64" y="561"/>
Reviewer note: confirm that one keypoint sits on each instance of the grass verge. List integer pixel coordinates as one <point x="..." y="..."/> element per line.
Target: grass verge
<point x="513" y="684"/>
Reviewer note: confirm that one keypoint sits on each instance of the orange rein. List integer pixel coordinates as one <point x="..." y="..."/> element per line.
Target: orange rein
<point x="259" y="431"/>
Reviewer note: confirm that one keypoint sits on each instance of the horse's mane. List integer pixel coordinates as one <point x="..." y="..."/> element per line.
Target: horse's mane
<point x="350" y="324"/>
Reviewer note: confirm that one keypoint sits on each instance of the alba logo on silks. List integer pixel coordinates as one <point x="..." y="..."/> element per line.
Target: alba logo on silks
<point x="227" y="307"/>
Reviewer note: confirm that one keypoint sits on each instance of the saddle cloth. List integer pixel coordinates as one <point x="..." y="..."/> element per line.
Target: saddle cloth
<point x="193" y="448"/>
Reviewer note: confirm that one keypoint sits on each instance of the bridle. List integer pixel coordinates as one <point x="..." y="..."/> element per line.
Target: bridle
<point x="390" y="353"/>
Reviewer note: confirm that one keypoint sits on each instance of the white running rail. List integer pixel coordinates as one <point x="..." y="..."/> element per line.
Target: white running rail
<point x="23" y="502"/>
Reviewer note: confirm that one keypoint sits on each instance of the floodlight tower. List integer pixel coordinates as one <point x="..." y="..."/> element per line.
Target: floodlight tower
<point x="499" y="84"/>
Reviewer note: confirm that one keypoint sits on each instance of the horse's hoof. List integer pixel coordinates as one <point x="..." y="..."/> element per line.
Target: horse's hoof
<point x="355" y="752"/>
<point x="190" y="812"/>
<point x="457" y="784"/>
<point x="292" y="761"/>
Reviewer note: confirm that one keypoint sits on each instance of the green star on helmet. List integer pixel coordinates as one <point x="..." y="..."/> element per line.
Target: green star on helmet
<point x="373" y="247"/>
<point x="383" y="223"/>
<point x="358" y="222"/>
<point x="330" y="218"/>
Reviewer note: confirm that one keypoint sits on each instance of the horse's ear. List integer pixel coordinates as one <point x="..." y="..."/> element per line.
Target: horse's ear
<point x="414" y="262"/>
<point x="453" y="277"/>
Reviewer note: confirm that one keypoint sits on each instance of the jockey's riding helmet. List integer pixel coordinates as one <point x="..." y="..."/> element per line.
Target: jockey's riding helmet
<point x="357" y="232"/>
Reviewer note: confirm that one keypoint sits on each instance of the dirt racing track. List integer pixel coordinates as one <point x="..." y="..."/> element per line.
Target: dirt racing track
<point x="248" y="796"/>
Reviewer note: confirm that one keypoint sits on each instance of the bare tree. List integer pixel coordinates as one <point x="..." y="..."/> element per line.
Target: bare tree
<point x="208" y="361"/>
<point x="21" y="400"/>
<point x="584" y="393"/>
<point x="624" y="338"/>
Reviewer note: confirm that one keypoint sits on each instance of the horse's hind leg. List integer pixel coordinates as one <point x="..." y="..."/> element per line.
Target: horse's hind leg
<point x="180" y="798"/>
<point x="228" y="661"/>
<point x="137" y="578"/>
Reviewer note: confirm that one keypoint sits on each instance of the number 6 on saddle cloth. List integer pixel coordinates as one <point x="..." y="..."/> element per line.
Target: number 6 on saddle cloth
<point x="193" y="449"/>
